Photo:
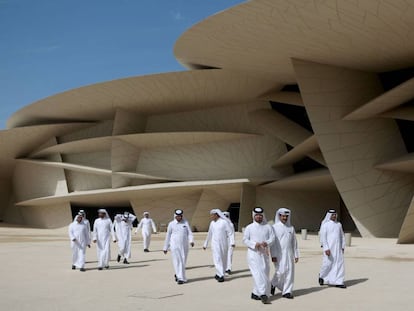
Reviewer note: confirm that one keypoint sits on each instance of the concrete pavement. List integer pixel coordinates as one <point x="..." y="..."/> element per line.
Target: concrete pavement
<point x="36" y="275"/>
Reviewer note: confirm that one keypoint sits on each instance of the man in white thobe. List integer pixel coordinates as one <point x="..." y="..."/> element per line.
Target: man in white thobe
<point x="123" y="227"/>
<point x="333" y="244"/>
<point x="102" y="233"/>
<point x="221" y="235"/>
<point x="284" y="254"/>
<point x="229" y="267"/>
<point x="86" y="221"/>
<point x="179" y="237"/>
<point x="79" y="240"/>
<point x="147" y="226"/>
<point x="259" y="237"/>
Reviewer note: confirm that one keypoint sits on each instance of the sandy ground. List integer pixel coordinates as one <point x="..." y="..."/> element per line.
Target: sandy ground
<point x="36" y="275"/>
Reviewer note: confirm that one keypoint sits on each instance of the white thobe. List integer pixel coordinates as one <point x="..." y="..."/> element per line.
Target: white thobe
<point x="178" y="238"/>
<point x="222" y="237"/>
<point x="79" y="233"/>
<point x="147" y="226"/>
<point x="102" y="233"/>
<point x="285" y="249"/>
<point x="333" y="267"/>
<point x="88" y="225"/>
<point x="123" y="234"/>
<point x="230" y="250"/>
<point x="258" y="259"/>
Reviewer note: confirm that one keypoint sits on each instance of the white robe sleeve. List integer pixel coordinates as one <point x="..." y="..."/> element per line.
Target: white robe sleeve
<point x="272" y="237"/>
<point x="139" y="225"/>
<point x="324" y="240"/>
<point x="231" y="234"/>
<point x="168" y="237"/>
<point x="87" y="235"/>
<point x="114" y="228"/>
<point x="94" y="233"/>
<point x="275" y="248"/>
<point x="295" y="244"/>
<point x="154" y="227"/>
<point x="113" y="232"/>
<point x="209" y="234"/>
<point x="88" y="225"/>
<point x="342" y="237"/>
<point x="190" y="234"/>
<point x="71" y="234"/>
<point x="246" y="239"/>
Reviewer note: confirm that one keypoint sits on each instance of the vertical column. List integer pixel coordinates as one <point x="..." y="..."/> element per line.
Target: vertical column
<point x="407" y="230"/>
<point x="247" y="203"/>
<point x="209" y="200"/>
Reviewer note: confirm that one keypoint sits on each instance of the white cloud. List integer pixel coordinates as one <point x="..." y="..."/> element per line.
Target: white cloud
<point x="176" y="15"/>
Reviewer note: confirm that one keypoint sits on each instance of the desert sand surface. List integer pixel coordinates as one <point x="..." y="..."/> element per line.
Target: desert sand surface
<point x="35" y="269"/>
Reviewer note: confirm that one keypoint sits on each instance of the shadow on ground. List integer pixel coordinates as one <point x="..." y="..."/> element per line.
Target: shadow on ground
<point x="311" y="290"/>
<point x="199" y="267"/>
<point x="237" y="274"/>
<point x="350" y="283"/>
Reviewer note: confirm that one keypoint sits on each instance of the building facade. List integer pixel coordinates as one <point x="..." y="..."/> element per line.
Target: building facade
<point x="302" y="104"/>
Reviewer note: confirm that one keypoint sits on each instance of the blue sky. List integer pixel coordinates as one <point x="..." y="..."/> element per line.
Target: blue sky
<point x="49" y="46"/>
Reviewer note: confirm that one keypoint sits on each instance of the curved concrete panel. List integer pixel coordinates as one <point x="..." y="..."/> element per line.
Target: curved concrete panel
<point x="316" y="180"/>
<point x="107" y="197"/>
<point x="386" y="101"/>
<point x="140" y="140"/>
<point x="378" y="201"/>
<point x="154" y="94"/>
<point x="262" y="36"/>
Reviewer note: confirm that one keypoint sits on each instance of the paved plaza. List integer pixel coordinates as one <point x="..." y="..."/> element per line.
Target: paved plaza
<point x="36" y="275"/>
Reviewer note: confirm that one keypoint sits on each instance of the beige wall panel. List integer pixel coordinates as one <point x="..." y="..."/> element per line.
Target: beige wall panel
<point x="377" y="200"/>
<point x="275" y="124"/>
<point x="103" y="128"/>
<point x="79" y="181"/>
<point x="209" y="200"/>
<point x="13" y="214"/>
<point x="308" y="207"/>
<point x="120" y="181"/>
<point x="127" y="122"/>
<point x="221" y="119"/>
<point x="162" y="208"/>
<point x="34" y="181"/>
<point x="5" y="198"/>
<point x="99" y="159"/>
<point x="245" y="158"/>
<point x="47" y="217"/>
<point x="49" y="143"/>
<point x="124" y="156"/>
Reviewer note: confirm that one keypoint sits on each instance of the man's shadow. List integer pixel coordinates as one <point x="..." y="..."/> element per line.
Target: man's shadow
<point x="350" y="283"/>
<point x="149" y="260"/>
<point x="237" y="274"/>
<point x="120" y="267"/>
<point x="315" y="289"/>
<point x="139" y="261"/>
<point x="199" y="267"/>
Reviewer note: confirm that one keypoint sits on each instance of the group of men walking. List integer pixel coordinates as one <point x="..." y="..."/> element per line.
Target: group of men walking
<point x="279" y="243"/>
<point x="264" y="243"/>
<point x="104" y="232"/>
